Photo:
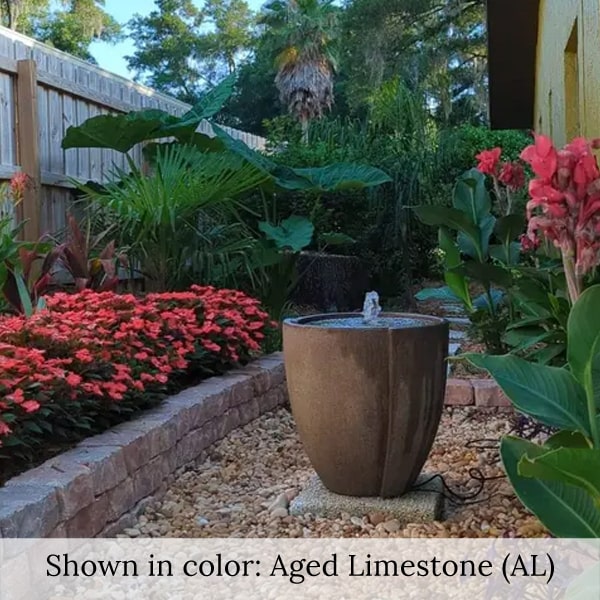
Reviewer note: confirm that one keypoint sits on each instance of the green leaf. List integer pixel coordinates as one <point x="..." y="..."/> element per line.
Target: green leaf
<point x="455" y="281"/>
<point x="567" y="439"/>
<point x="281" y="176"/>
<point x="294" y="233"/>
<point x="210" y="104"/>
<point x="549" y="394"/>
<point x="583" y="345"/>
<point x="546" y="355"/>
<point x="509" y="228"/>
<point x="117" y="132"/>
<point x="441" y="216"/>
<point x="486" y="273"/>
<point x="443" y="294"/>
<point x="471" y="196"/>
<point x="343" y="176"/>
<point x="567" y="511"/>
<point x="576" y="466"/>
<point x="24" y="295"/>
<point x="334" y="238"/>
<point x="482" y="302"/>
<point x="506" y="255"/>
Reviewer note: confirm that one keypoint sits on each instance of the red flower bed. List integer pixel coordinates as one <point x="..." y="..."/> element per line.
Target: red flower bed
<point x="92" y="359"/>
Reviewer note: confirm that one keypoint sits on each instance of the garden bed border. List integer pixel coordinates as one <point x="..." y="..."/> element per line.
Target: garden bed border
<point x="100" y="486"/>
<point x="481" y="393"/>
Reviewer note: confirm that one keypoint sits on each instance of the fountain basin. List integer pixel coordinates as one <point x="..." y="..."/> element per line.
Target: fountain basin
<point x="367" y="397"/>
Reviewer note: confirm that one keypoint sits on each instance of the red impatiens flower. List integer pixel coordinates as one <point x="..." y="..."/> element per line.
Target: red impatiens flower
<point x="489" y="161"/>
<point x="105" y="347"/>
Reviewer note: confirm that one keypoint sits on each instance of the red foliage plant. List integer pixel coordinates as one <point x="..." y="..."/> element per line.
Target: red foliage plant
<point x="91" y="352"/>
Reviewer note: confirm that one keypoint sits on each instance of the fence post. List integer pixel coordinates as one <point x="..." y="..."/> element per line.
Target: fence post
<point x="28" y="147"/>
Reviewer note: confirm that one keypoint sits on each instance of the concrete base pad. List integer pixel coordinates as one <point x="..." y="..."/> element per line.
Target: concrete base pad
<point x="418" y="506"/>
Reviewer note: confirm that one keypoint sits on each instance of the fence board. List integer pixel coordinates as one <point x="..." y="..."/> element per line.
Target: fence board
<point x="69" y="91"/>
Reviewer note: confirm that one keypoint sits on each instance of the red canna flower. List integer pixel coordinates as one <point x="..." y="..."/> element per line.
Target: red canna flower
<point x="489" y="161"/>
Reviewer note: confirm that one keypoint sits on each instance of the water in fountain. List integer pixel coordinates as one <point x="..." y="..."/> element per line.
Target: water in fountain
<point x="370" y="318"/>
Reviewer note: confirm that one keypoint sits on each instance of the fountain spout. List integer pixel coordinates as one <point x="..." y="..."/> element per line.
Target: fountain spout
<point x="371" y="308"/>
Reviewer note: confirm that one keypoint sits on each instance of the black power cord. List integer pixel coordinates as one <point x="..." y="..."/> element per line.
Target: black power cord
<point x="524" y="427"/>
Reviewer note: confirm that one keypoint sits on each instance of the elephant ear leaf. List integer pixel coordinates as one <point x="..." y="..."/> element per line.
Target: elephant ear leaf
<point x="294" y="233"/>
<point x="117" y="132"/>
<point x="343" y="176"/>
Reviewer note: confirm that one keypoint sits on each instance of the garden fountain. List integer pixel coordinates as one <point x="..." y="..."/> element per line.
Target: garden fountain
<point x="367" y="393"/>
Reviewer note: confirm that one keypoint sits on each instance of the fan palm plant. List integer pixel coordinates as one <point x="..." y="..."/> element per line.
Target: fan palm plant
<point x="179" y="222"/>
<point x="306" y="33"/>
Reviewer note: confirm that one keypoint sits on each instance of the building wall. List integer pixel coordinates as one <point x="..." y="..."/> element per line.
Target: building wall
<point x="568" y="70"/>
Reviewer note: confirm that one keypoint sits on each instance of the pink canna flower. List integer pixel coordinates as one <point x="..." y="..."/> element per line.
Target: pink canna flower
<point x="565" y="204"/>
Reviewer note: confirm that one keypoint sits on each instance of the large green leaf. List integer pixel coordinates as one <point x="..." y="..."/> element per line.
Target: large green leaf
<point x="567" y="511"/>
<point x="549" y="394"/>
<point x="509" y="228"/>
<point x="567" y="439"/>
<point x="486" y="273"/>
<point x="281" y="176"/>
<point x="456" y="282"/>
<point x="472" y="197"/>
<point x="123" y="132"/>
<point x="583" y="345"/>
<point x="478" y="250"/>
<point x="576" y="466"/>
<point x="117" y="132"/>
<point x="441" y="216"/>
<point x="211" y="103"/>
<point x="294" y="233"/>
<point x="343" y="176"/>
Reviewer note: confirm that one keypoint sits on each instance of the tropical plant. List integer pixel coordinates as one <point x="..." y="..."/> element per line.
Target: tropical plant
<point x="26" y="283"/>
<point x="558" y="480"/>
<point x="89" y="266"/>
<point x="21" y="281"/>
<point x="470" y="256"/>
<point x="179" y="220"/>
<point x="307" y="30"/>
<point x="562" y="240"/>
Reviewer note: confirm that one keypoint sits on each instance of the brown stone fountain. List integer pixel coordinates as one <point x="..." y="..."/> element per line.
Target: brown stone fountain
<point x="367" y="394"/>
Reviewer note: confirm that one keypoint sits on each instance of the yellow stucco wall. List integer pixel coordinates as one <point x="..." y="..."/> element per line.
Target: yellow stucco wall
<point x="568" y="70"/>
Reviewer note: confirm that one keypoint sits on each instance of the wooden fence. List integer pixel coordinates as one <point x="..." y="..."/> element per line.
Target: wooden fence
<point x="42" y="93"/>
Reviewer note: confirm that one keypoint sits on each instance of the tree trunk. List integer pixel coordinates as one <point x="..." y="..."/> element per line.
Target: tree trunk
<point x="304" y="123"/>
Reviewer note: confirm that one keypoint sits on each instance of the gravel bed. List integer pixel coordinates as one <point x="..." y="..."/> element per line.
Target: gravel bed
<point x="244" y="484"/>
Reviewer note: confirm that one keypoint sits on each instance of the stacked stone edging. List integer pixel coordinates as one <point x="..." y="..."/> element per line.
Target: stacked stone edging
<point x="98" y="488"/>
<point x="482" y="393"/>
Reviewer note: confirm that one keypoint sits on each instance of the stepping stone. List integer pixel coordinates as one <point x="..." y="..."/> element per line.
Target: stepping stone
<point x="453" y="349"/>
<point x="453" y="309"/>
<point x="457" y="335"/>
<point x="421" y="505"/>
<point x="462" y="321"/>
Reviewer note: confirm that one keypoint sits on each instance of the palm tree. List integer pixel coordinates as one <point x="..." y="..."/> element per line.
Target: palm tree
<point x="305" y="32"/>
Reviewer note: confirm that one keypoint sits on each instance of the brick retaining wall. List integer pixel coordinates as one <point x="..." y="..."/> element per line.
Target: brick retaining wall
<point x="98" y="487"/>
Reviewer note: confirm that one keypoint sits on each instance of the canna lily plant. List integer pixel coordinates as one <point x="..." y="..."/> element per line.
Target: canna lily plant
<point x="559" y="480"/>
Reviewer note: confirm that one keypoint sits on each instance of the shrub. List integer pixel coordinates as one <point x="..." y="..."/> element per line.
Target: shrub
<point x="93" y="359"/>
